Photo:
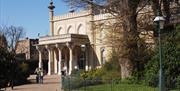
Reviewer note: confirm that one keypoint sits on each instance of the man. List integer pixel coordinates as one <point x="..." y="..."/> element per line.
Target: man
<point x="41" y="75"/>
<point x="37" y="75"/>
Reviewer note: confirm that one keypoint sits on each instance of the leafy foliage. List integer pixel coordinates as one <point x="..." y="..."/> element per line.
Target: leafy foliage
<point x="171" y="61"/>
<point x="5" y="64"/>
<point x="110" y="70"/>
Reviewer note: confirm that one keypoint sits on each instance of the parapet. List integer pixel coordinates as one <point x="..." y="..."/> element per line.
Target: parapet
<point x="71" y="15"/>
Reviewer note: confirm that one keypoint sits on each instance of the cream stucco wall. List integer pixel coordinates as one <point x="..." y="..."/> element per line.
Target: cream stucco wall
<point x="81" y="23"/>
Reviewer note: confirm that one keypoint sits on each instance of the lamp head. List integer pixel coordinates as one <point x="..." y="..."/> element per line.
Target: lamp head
<point x="161" y="21"/>
<point x="83" y="47"/>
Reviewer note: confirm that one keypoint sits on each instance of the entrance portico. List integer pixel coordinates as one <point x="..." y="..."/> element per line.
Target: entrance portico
<point x="64" y="52"/>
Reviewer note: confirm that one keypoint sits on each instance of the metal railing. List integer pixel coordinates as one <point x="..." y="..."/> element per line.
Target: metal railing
<point x="78" y="84"/>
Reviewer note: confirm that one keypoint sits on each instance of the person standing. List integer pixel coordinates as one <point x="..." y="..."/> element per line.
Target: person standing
<point x="37" y="75"/>
<point x="41" y="75"/>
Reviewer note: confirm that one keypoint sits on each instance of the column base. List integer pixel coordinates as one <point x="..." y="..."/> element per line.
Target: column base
<point x="59" y="73"/>
<point x="49" y="73"/>
<point x="86" y="68"/>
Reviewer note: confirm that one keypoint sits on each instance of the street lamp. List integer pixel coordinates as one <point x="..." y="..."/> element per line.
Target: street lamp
<point x="160" y="23"/>
<point x="83" y="48"/>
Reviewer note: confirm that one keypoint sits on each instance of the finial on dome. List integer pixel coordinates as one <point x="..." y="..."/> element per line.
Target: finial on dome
<point x="51" y="6"/>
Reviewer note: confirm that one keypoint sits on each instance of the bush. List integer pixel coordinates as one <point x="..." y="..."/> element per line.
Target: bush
<point x="178" y="82"/>
<point x="170" y="61"/>
<point x="22" y="73"/>
<point x="92" y="74"/>
<point x="110" y="70"/>
<point x="33" y="64"/>
<point x="5" y="65"/>
<point x="71" y="82"/>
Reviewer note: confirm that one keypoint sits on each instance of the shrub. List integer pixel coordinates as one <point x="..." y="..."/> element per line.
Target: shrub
<point x="21" y="73"/>
<point x="71" y="82"/>
<point x="178" y="82"/>
<point x="33" y="64"/>
<point x="170" y="61"/>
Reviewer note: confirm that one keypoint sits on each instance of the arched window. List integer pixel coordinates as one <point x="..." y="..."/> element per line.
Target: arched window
<point x="101" y="36"/>
<point x="103" y="56"/>
<point x="81" y="30"/>
<point x="60" y="31"/>
<point x="70" y="30"/>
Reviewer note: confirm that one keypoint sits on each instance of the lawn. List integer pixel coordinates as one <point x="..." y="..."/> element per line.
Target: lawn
<point x="118" y="87"/>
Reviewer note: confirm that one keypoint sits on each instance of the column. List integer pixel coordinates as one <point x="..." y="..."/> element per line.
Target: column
<point x="70" y="60"/>
<point x="70" y="46"/>
<point x="55" y="63"/>
<point x="60" y="58"/>
<point x="50" y="58"/>
<point x="59" y="62"/>
<point x="40" y="57"/>
<point x="49" y="62"/>
<point x="65" y="63"/>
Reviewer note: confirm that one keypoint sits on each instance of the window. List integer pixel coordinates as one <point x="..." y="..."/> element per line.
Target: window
<point x="81" y="30"/>
<point x="103" y="56"/>
<point x="59" y="31"/>
<point x="70" y="30"/>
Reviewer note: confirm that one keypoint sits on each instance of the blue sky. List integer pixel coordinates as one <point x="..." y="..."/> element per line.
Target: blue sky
<point x="32" y="15"/>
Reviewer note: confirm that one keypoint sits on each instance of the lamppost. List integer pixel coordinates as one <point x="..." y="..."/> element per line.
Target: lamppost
<point x="160" y="23"/>
<point x="83" y="48"/>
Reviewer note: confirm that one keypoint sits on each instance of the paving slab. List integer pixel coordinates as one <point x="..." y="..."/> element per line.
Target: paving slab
<point x="51" y="83"/>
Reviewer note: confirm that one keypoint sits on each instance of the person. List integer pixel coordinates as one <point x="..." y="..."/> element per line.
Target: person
<point x="37" y="75"/>
<point x="65" y="70"/>
<point x="12" y="84"/>
<point x="41" y="75"/>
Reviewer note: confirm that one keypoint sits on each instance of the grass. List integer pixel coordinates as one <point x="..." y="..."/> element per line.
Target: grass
<point x="118" y="87"/>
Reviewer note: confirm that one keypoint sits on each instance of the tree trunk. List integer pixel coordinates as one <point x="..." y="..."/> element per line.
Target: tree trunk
<point x="129" y="47"/>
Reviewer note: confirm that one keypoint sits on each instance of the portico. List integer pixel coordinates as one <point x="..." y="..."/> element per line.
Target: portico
<point x="64" y="52"/>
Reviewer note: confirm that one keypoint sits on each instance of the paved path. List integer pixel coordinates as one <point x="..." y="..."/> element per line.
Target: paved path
<point x="51" y="83"/>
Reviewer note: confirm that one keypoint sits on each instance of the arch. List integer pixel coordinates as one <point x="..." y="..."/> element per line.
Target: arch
<point x="81" y="29"/>
<point x="103" y="55"/>
<point x="101" y="35"/>
<point x="60" y="31"/>
<point x="70" y="30"/>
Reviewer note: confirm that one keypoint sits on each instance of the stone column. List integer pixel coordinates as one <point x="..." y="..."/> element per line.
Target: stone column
<point x="50" y="59"/>
<point x="55" y="62"/>
<point x="60" y="58"/>
<point x="65" y="63"/>
<point x="70" y="46"/>
<point x="40" y="57"/>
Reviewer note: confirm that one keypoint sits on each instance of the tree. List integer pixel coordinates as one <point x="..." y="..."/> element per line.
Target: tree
<point x="12" y="34"/>
<point x="171" y="62"/>
<point x="8" y="63"/>
<point x="3" y="41"/>
<point x="126" y="13"/>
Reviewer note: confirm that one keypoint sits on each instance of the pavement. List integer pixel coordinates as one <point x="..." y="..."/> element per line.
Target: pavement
<point x="51" y="83"/>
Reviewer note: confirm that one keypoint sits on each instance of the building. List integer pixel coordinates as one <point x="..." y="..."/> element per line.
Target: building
<point x="72" y="42"/>
<point x="26" y="50"/>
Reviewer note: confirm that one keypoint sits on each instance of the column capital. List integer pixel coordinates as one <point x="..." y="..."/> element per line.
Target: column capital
<point x="70" y="45"/>
<point x="39" y="48"/>
<point x="48" y="47"/>
<point x="87" y="45"/>
<point x="59" y="47"/>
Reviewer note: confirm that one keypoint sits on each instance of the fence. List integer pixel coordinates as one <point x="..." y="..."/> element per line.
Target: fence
<point x="78" y="84"/>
